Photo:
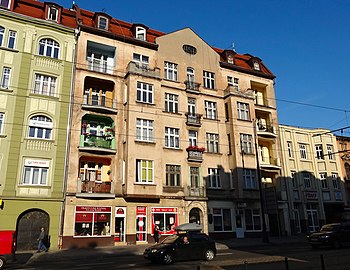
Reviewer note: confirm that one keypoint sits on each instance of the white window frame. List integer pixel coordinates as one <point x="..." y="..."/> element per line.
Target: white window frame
<point x="335" y="181"/>
<point x="2" y="35"/>
<point x="290" y="149"/>
<point x="230" y="80"/>
<point x="5" y="78"/>
<point x="208" y="79"/>
<point x="100" y="23"/>
<point x="330" y="152"/>
<point x="35" y="173"/>
<point x="250" y="179"/>
<point x="170" y="71"/>
<point x="192" y="137"/>
<point x="246" y="143"/>
<point x="2" y="122"/>
<point x="303" y="150"/>
<point x="212" y="142"/>
<point x="256" y="65"/>
<point x="173" y="175"/>
<point x="144" y="130"/>
<point x="141" y="61"/>
<point x="307" y="180"/>
<point x="218" y="216"/>
<point x="172" y="137"/>
<point x="49" y="48"/>
<point x="171" y="103"/>
<point x="11" y="41"/>
<point x="319" y="152"/>
<point x="147" y="166"/>
<point x="52" y="13"/>
<point x="140" y="33"/>
<point x="243" y="111"/>
<point x="3" y="5"/>
<point x="210" y="109"/>
<point x="145" y="93"/>
<point x="323" y="179"/>
<point x="294" y="179"/>
<point x="190" y="74"/>
<point x="40" y="124"/>
<point x="45" y="85"/>
<point x="214" y="180"/>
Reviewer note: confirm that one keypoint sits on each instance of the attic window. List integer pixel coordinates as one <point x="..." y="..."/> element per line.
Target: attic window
<point x="5" y="3"/>
<point x="52" y="13"/>
<point x="230" y="59"/>
<point x="102" y="23"/>
<point x="189" y="49"/>
<point x="140" y="33"/>
<point x="256" y="65"/>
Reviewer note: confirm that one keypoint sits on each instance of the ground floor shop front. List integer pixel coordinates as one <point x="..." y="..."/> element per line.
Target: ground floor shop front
<point x="110" y="222"/>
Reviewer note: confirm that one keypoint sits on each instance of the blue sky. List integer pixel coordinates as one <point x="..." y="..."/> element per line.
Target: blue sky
<point x="305" y="43"/>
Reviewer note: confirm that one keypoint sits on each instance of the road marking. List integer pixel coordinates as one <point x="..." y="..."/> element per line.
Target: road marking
<point x="227" y="253"/>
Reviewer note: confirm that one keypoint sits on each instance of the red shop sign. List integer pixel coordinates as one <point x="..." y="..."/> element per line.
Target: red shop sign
<point x="83" y="217"/>
<point x="164" y="210"/>
<point x="93" y="209"/>
<point x="141" y="210"/>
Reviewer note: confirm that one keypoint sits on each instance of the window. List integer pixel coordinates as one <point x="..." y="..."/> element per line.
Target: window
<point x="35" y="172"/>
<point x="222" y="220"/>
<point x="214" y="178"/>
<point x="170" y="71"/>
<point x="190" y="75"/>
<point x="229" y="144"/>
<point x="12" y="39"/>
<point x="294" y="179"/>
<point x="290" y="149"/>
<point x="330" y="152"/>
<point x="229" y="80"/>
<point x="172" y="138"/>
<point x="192" y="137"/>
<point x="144" y="130"/>
<point x="323" y="178"/>
<point x="52" y="13"/>
<point x="165" y="218"/>
<point x="307" y="180"/>
<point x="140" y="33"/>
<point x="210" y="110"/>
<point x="140" y="60"/>
<point x="191" y="106"/>
<point x="243" y="111"/>
<point x="171" y="103"/>
<point x="40" y="127"/>
<point x="319" y="151"/>
<point x="173" y="175"/>
<point x="212" y="143"/>
<point x="92" y="221"/>
<point x="2" y="34"/>
<point x="335" y="181"/>
<point x="102" y="23"/>
<point x="256" y="66"/>
<point x="2" y="121"/>
<point x="100" y="57"/>
<point x="249" y="179"/>
<point x="208" y="79"/>
<point x="145" y="171"/>
<point x="49" y="47"/>
<point x="303" y="153"/>
<point x="5" y="78"/>
<point x="252" y="219"/>
<point x="5" y="3"/>
<point x="44" y="85"/>
<point x="194" y="177"/>
<point x="144" y="92"/>
<point x="246" y="143"/>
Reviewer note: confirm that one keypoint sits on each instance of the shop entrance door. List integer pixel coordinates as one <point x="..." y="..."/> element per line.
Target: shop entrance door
<point x="239" y="224"/>
<point x="141" y="222"/>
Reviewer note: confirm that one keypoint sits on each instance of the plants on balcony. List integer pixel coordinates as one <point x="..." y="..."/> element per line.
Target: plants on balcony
<point x="195" y="148"/>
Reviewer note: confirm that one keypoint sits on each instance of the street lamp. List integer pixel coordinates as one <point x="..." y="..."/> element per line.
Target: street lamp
<point x="265" y="237"/>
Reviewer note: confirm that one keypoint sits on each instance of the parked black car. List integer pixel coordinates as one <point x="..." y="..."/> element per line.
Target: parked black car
<point x="334" y="235"/>
<point x="175" y="248"/>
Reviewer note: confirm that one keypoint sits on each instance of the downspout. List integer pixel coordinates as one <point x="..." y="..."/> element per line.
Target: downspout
<point x="71" y="103"/>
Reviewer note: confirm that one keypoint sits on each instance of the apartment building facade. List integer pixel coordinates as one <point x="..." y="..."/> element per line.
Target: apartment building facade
<point x="313" y="182"/>
<point x="163" y="132"/>
<point x="36" y="62"/>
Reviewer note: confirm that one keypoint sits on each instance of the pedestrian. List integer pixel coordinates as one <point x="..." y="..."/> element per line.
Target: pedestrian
<point x="156" y="234"/>
<point x="41" y="239"/>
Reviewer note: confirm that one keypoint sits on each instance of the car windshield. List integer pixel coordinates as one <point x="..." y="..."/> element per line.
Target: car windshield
<point x="170" y="239"/>
<point x="329" y="228"/>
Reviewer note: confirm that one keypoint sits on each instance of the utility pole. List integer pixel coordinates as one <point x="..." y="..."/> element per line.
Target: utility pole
<point x="265" y="237"/>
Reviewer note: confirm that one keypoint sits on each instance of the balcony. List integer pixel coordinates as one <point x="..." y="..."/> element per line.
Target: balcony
<point x="94" y="143"/>
<point x="270" y="164"/>
<point x="267" y="131"/>
<point x="197" y="192"/>
<point x="192" y="87"/>
<point x="143" y="70"/>
<point x="99" y="189"/>
<point x="195" y="153"/>
<point x="99" y="103"/>
<point x="193" y="119"/>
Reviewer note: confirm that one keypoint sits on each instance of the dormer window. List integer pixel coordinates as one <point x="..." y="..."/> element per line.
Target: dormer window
<point x="52" y="13"/>
<point x="140" y="33"/>
<point x="5" y="3"/>
<point x="230" y="59"/>
<point x="256" y="65"/>
<point x="102" y="23"/>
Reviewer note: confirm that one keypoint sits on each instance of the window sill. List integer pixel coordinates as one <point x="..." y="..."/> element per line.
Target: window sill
<point x="41" y="96"/>
<point x="170" y="80"/>
<point x="33" y="186"/>
<point x="145" y="142"/>
<point x="177" y="113"/>
<point x="214" y="153"/>
<point x="8" y="49"/>
<point x="145" y="103"/>
<point x="245" y="120"/>
<point x="145" y="184"/>
<point x="207" y="88"/>
<point x="6" y="90"/>
<point x="211" y="119"/>
<point x="170" y="148"/>
<point x="3" y="135"/>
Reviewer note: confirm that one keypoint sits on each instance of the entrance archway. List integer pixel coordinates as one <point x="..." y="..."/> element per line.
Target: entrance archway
<point x="195" y="216"/>
<point x="28" y="228"/>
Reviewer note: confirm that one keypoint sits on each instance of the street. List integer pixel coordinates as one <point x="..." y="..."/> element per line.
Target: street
<point x="300" y="257"/>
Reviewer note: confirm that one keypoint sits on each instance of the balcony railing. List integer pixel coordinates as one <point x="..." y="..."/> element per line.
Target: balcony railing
<point x="143" y="69"/>
<point x="99" y="103"/>
<point x="192" y="87"/>
<point x="267" y="130"/>
<point x="270" y="163"/>
<point x="193" y="119"/>
<point x="90" y="187"/>
<point x="195" y="153"/>
<point x="99" y="65"/>
<point x="100" y="143"/>
<point x="196" y="191"/>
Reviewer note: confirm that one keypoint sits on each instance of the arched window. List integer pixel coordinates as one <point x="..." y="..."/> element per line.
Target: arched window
<point x="2" y="34"/>
<point x="49" y="47"/>
<point x="40" y="127"/>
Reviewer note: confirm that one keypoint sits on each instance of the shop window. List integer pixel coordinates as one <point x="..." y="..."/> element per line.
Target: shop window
<point x="165" y="218"/>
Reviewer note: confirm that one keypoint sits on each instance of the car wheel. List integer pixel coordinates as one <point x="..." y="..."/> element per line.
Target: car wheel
<point x="209" y="255"/>
<point x="168" y="258"/>
<point x="336" y="244"/>
<point x="2" y="262"/>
